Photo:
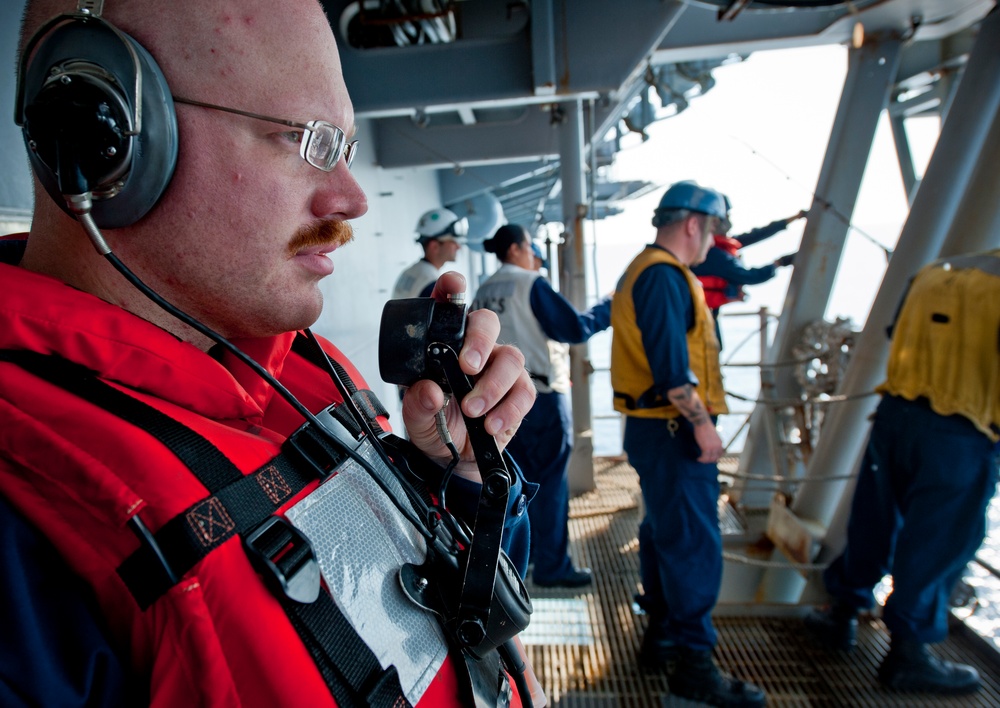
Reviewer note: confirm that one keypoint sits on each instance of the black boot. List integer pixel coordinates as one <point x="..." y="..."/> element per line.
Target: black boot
<point x="697" y="678"/>
<point x="657" y="654"/>
<point x="835" y="627"/>
<point x="909" y="666"/>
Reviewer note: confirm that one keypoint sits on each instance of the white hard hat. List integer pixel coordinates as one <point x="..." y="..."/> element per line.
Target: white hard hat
<point x="441" y="222"/>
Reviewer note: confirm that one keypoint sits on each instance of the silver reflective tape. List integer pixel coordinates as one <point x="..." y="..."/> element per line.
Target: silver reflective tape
<point x="361" y="540"/>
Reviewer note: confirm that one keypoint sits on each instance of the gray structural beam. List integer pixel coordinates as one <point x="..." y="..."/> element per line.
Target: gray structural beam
<point x="471" y="181"/>
<point x="696" y="36"/>
<point x="977" y="223"/>
<point x="948" y="196"/>
<point x="573" y="284"/>
<point x="583" y="46"/>
<point x="500" y="135"/>
<point x="393" y="79"/>
<point x="526" y="134"/>
<point x="955" y="210"/>
<point x="543" y="50"/>
<point x="15" y="177"/>
<point x="870" y="75"/>
<point x="904" y="155"/>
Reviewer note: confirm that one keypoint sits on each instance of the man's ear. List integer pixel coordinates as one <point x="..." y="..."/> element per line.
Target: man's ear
<point x="692" y="227"/>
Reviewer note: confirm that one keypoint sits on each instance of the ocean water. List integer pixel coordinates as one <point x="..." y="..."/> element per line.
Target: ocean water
<point x="741" y="351"/>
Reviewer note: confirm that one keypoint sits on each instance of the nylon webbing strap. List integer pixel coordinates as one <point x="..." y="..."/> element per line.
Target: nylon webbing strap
<point x="215" y="470"/>
<point x="322" y="626"/>
<point x="365" y="400"/>
<point x="204" y="526"/>
<point x="238" y="504"/>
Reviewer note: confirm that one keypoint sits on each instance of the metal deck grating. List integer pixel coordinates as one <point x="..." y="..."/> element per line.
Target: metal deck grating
<point x="595" y="667"/>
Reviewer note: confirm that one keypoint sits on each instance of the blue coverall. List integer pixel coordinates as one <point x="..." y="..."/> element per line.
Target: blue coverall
<point x="728" y="267"/>
<point x="544" y="441"/>
<point x="680" y="545"/>
<point x="920" y="472"/>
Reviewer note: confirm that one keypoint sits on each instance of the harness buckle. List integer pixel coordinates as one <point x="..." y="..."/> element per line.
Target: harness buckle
<point x="285" y="557"/>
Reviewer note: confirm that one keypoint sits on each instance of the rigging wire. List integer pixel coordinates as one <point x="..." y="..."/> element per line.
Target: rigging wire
<point x="747" y="560"/>
<point x="823" y="201"/>
<point x="781" y="480"/>
<point x="839" y="398"/>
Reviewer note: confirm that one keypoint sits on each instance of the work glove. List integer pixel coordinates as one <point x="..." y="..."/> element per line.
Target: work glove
<point x="785" y="260"/>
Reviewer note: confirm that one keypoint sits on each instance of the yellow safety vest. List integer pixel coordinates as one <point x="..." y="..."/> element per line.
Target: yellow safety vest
<point x="946" y="340"/>
<point x="631" y="375"/>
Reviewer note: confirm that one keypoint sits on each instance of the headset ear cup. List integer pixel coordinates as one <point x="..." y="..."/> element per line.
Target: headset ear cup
<point x="79" y="102"/>
<point x="80" y="132"/>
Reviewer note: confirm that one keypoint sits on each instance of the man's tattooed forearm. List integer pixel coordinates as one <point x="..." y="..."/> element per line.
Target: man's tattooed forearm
<point x="688" y="403"/>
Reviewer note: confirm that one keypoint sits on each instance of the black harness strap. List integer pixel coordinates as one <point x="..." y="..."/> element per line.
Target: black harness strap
<point x="236" y="509"/>
<point x="215" y="469"/>
<point x="365" y="400"/>
<point x="648" y="400"/>
<point x="238" y="504"/>
<point x="544" y="380"/>
<point x="322" y="626"/>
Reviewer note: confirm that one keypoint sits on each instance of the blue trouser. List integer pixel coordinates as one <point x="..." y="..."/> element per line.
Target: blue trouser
<point x="463" y="500"/>
<point x="919" y="513"/>
<point x="680" y="545"/>
<point x="542" y="448"/>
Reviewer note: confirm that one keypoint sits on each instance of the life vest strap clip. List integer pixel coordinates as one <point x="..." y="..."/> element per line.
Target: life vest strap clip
<point x="285" y="558"/>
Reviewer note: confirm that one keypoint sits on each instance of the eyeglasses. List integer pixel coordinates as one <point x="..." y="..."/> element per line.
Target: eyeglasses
<point x="712" y="223"/>
<point x="322" y="144"/>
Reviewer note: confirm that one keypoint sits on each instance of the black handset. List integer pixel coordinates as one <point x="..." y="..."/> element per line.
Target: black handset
<point x="420" y="339"/>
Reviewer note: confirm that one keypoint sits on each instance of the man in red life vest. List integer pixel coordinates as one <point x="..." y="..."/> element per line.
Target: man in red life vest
<point x="723" y="273"/>
<point x="147" y="487"/>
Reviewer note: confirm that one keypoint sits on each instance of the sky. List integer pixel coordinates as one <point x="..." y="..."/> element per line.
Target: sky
<point x="759" y="136"/>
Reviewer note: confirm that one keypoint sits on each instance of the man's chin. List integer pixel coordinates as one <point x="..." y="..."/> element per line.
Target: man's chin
<point x="292" y="319"/>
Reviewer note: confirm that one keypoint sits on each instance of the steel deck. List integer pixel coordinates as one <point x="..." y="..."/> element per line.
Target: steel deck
<point x="583" y="644"/>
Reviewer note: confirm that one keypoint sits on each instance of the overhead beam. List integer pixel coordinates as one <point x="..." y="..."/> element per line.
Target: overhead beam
<point x="571" y="44"/>
<point x="470" y="181"/>
<point x="698" y="35"/>
<point x="543" y="50"/>
<point x="401" y="142"/>
<point x="470" y="71"/>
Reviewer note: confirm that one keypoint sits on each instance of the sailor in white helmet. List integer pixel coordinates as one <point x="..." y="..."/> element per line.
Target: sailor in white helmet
<point x="439" y="232"/>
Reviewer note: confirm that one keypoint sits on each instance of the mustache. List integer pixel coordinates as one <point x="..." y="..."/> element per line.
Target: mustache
<point x="321" y="233"/>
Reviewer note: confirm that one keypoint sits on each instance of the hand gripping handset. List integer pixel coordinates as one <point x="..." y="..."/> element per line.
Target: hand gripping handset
<point x="420" y="339"/>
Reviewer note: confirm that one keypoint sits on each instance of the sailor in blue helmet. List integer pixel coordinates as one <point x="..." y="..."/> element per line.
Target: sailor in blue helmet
<point x="667" y="382"/>
<point x="541" y="322"/>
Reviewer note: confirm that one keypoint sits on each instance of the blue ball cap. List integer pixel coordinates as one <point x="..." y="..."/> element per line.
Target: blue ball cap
<point x="539" y="254"/>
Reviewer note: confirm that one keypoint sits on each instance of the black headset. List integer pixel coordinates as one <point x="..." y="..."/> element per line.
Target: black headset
<point x="98" y="119"/>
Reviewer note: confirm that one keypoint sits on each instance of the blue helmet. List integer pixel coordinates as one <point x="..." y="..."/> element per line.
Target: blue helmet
<point x="689" y="195"/>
